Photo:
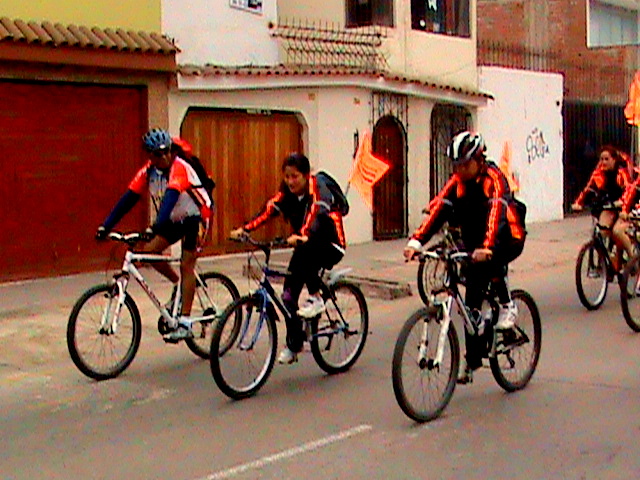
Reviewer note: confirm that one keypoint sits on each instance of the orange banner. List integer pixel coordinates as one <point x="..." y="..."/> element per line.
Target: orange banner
<point x="632" y="109"/>
<point x="367" y="170"/>
<point x="505" y="166"/>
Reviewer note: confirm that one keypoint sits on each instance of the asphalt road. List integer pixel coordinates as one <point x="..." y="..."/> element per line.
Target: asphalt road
<point x="164" y="418"/>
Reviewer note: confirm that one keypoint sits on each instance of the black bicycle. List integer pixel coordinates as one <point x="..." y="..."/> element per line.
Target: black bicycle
<point x="594" y="267"/>
<point x="426" y="357"/>
<point x="246" y="336"/>
<point x="630" y="278"/>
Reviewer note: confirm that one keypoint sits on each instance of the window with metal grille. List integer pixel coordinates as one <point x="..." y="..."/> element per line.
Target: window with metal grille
<point x="447" y="17"/>
<point x="362" y="13"/>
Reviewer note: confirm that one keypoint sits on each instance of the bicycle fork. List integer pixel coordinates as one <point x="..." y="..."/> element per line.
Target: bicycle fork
<point x="110" y="315"/>
<point x="423" y="361"/>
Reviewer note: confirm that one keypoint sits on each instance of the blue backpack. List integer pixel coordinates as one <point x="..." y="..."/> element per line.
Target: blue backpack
<point x="340" y="203"/>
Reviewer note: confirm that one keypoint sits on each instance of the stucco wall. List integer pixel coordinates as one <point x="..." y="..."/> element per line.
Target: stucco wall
<point x="216" y="33"/>
<point x="128" y="14"/>
<point x="418" y="159"/>
<point x="527" y="112"/>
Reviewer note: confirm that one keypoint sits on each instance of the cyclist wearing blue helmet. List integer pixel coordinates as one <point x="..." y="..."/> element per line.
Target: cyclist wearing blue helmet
<point x="180" y="204"/>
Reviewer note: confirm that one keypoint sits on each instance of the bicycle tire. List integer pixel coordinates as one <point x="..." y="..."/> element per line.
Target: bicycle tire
<point x="202" y="331"/>
<point x="334" y="348"/>
<point x="229" y="364"/>
<point x="630" y="294"/>
<point x="519" y="346"/>
<point x="591" y="276"/>
<point x="431" y="276"/>
<point x="407" y="348"/>
<point x="90" y="307"/>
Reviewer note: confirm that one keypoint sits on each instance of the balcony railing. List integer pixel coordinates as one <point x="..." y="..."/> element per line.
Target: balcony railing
<point x="313" y="43"/>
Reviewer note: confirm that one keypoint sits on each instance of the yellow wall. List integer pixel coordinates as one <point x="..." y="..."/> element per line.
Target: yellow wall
<point x="137" y="15"/>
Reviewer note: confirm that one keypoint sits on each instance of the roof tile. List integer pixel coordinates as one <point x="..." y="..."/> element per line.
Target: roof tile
<point x="57" y="35"/>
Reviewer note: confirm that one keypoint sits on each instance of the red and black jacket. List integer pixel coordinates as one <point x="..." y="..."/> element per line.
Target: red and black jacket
<point x="605" y="185"/>
<point x="310" y="215"/>
<point x="480" y="207"/>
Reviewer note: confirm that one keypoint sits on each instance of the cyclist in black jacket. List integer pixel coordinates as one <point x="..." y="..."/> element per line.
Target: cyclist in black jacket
<point x="477" y="198"/>
<point x="305" y="201"/>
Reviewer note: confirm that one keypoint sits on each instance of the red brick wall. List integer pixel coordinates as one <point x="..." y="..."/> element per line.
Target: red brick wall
<point x="601" y="74"/>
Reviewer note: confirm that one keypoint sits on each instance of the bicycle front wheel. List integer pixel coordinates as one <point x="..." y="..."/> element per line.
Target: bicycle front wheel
<point x="630" y="294"/>
<point x="242" y="368"/>
<point x="101" y="345"/>
<point x="423" y="388"/>
<point x="591" y="276"/>
<point x="518" y="349"/>
<point x="212" y="296"/>
<point x="339" y="334"/>
<point x="431" y="277"/>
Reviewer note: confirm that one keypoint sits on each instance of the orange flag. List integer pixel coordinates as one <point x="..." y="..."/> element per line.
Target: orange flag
<point x="505" y="166"/>
<point x="632" y="110"/>
<point x="367" y="170"/>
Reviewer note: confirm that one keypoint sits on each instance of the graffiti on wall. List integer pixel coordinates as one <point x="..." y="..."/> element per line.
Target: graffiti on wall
<point x="537" y="147"/>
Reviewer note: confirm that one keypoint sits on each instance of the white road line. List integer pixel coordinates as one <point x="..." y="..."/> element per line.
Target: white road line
<point x="292" y="452"/>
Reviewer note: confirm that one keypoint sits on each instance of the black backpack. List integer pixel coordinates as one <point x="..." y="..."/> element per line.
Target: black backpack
<point x="340" y="203"/>
<point x="206" y="182"/>
<point x="521" y="210"/>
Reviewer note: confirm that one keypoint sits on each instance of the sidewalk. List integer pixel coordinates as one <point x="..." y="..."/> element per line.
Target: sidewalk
<point x="33" y="314"/>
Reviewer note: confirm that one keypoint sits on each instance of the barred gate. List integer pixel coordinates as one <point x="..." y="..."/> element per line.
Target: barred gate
<point x="586" y="128"/>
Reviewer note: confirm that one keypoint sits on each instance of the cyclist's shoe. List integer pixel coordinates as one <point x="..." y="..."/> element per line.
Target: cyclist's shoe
<point x="312" y="308"/>
<point x="465" y="374"/>
<point x="181" y="332"/>
<point x="287" y="357"/>
<point x="507" y="316"/>
<point x="594" y="272"/>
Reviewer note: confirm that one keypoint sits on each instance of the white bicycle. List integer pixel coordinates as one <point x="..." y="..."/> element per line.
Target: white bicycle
<point x="104" y="328"/>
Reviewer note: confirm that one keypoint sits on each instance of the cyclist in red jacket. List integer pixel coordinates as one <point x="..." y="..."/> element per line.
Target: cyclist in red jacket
<point x="606" y="185"/>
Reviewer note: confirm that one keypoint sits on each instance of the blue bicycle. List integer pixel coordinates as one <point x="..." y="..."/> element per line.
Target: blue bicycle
<point x="246" y="336"/>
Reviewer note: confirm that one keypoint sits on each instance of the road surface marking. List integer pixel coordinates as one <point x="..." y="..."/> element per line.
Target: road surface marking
<point x="292" y="452"/>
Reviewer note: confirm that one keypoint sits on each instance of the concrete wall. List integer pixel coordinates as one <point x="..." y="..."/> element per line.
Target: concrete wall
<point x="127" y="14"/>
<point x="527" y="112"/>
<point x="216" y="33"/>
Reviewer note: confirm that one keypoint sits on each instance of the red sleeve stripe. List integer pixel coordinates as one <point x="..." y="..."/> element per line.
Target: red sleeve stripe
<point x="270" y="210"/>
<point x="592" y="180"/>
<point x="313" y="211"/>
<point x="496" y="207"/>
<point x="435" y="206"/>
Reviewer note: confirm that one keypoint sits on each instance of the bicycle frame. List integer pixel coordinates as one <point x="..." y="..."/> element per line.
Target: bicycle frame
<point x="267" y="295"/>
<point x="121" y="282"/>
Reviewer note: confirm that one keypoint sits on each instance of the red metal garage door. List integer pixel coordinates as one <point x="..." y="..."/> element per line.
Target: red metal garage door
<point x="68" y="152"/>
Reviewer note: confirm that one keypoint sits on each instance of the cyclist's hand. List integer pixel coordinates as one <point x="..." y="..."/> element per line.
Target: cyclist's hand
<point x="481" y="254"/>
<point x="294" y="239"/>
<point x="102" y="233"/>
<point x="617" y="203"/>
<point x="624" y="216"/>
<point x="576" y="207"/>
<point x="409" y="254"/>
<point x="237" y="234"/>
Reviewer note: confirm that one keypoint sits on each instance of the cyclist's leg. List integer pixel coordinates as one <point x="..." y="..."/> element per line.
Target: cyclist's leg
<point x="157" y="245"/>
<point x="292" y="288"/>
<point x="478" y="275"/>
<point x="188" y="260"/>
<point x="621" y="239"/>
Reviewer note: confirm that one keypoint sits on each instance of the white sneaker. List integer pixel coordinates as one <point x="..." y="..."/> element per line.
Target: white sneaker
<point x="287" y="357"/>
<point x="312" y="308"/>
<point x="507" y="316"/>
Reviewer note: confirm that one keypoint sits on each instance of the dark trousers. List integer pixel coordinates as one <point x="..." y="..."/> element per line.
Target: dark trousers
<point x="304" y="269"/>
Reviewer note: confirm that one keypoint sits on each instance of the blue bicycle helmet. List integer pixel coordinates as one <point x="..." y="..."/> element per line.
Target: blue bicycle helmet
<point x="156" y="140"/>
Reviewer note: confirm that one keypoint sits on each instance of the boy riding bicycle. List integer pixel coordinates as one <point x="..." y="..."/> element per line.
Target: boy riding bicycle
<point x="477" y="197"/>
<point x="180" y="204"/>
<point x="318" y="240"/>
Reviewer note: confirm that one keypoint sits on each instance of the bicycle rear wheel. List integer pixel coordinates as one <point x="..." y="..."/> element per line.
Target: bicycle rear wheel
<point x="339" y="334"/>
<point x="591" y="276"/>
<point x="630" y="294"/>
<point x="99" y="350"/>
<point x="212" y="296"/>
<point x="422" y="388"/>
<point x="518" y="349"/>
<point x="244" y="366"/>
